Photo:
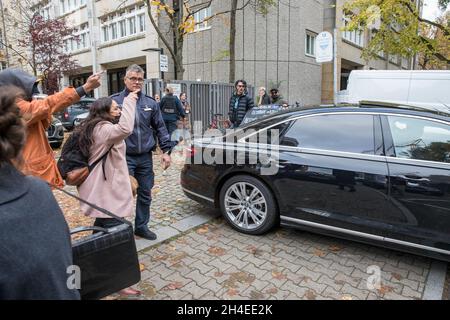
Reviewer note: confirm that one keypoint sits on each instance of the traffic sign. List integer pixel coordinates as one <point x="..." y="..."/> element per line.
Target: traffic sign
<point x="164" y="63"/>
<point x="324" y="47"/>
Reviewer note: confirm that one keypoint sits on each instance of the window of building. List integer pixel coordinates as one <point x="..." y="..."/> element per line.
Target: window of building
<point x="310" y="44"/>
<point x="199" y="18"/>
<point x="420" y="139"/>
<point x="3" y="65"/>
<point x="66" y="6"/>
<point x="123" y="24"/>
<point x="356" y="36"/>
<point x="334" y="133"/>
<point x="83" y="42"/>
<point x="393" y="58"/>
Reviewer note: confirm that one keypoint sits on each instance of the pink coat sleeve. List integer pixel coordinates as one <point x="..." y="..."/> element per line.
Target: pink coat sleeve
<point x="110" y="133"/>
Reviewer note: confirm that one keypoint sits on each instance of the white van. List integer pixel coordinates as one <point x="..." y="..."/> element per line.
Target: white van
<point x="423" y="88"/>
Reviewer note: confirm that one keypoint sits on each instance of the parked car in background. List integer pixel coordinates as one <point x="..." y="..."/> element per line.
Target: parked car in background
<point x="80" y="118"/>
<point x="369" y="173"/>
<point x="67" y="117"/>
<point x="55" y="133"/>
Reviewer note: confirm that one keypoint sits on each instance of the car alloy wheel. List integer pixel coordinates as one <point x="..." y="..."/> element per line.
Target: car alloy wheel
<point x="245" y="205"/>
<point x="248" y="205"/>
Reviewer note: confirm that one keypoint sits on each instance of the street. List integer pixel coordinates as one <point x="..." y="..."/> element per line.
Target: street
<point x="199" y="256"/>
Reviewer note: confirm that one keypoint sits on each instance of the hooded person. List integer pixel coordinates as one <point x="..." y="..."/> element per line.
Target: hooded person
<point x="37" y="114"/>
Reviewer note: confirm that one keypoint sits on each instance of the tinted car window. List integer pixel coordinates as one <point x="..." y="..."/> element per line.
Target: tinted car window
<point x="348" y="133"/>
<point x="269" y="136"/>
<point x="420" y="139"/>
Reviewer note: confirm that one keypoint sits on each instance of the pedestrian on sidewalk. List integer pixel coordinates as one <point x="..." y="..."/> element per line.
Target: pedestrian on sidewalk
<point x="108" y="185"/>
<point x="35" y="247"/>
<point x="263" y="97"/>
<point x="172" y="110"/>
<point x="276" y="98"/>
<point x="187" y="110"/>
<point x="37" y="153"/>
<point x="240" y="103"/>
<point x="140" y="145"/>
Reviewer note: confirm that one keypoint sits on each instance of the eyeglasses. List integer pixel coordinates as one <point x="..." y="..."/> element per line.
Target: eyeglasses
<point x="240" y="86"/>
<point x="134" y="79"/>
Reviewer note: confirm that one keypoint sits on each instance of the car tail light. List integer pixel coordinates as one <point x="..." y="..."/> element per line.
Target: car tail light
<point x="66" y="115"/>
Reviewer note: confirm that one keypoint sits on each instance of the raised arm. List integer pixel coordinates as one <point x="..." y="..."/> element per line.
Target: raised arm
<point x="110" y="133"/>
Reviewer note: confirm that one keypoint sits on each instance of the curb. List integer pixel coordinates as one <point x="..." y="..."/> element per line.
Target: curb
<point x="176" y="229"/>
<point x="434" y="286"/>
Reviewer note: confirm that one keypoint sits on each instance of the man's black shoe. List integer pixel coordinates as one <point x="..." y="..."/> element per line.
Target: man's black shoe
<point x="146" y="234"/>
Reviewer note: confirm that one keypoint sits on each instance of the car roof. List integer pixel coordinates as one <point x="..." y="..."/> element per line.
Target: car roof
<point x="361" y="108"/>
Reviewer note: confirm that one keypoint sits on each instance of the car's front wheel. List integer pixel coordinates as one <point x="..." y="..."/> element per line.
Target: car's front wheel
<point x="248" y="205"/>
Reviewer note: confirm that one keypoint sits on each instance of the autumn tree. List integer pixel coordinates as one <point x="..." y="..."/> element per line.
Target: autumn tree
<point x="40" y="44"/>
<point x="426" y="60"/>
<point x="181" y="22"/>
<point x="400" y="28"/>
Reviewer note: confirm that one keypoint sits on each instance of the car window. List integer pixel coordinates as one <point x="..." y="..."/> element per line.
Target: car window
<point x="420" y="139"/>
<point x="343" y="132"/>
<point x="86" y="105"/>
<point x="268" y="136"/>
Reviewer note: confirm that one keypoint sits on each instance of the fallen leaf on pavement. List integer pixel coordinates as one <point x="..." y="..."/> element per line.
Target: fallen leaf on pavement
<point x="334" y="248"/>
<point x="256" y="295"/>
<point x="310" y="295"/>
<point x="141" y="267"/>
<point x="319" y="253"/>
<point x="384" y="289"/>
<point x="202" y="230"/>
<point x="272" y="291"/>
<point x="232" y="292"/>
<point x="217" y="251"/>
<point x="346" y="297"/>
<point x="161" y="257"/>
<point x="218" y="274"/>
<point x="174" y="286"/>
<point x="278" y="275"/>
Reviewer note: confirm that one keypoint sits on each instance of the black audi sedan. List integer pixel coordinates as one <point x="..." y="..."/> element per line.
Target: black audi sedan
<point x="371" y="173"/>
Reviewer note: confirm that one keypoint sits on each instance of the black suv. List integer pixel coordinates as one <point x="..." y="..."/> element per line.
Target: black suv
<point x="55" y="133"/>
<point x="68" y="116"/>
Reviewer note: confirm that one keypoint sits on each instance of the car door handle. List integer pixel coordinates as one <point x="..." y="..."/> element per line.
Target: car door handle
<point x="414" y="178"/>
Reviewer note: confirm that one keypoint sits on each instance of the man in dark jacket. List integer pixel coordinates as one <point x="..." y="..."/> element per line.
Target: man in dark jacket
<point x="172" y="110"/>
<point x="140" y="145"/>
<point x="276" y="98"/>
<point x="240" y="103"/>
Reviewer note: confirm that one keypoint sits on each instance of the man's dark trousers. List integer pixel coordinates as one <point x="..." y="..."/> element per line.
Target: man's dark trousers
<point x="141" y="167"/>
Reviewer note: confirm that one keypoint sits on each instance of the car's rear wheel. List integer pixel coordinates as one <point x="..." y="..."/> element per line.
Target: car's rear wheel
<point x="248" y="205"/>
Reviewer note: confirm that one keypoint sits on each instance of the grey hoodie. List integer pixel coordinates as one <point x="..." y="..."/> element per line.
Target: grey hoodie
<point x="20" y="79"/>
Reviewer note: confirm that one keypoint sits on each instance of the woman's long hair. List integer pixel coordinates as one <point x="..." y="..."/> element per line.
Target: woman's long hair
<point x="12" y="127"/>
<point x="99" y="111"/>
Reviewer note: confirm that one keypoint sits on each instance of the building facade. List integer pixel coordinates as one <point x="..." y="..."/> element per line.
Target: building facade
<point x="271" y="50"/>
<point x="112" y="34"/>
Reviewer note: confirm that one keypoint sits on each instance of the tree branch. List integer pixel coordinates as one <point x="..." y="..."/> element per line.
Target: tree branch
<point x="158" y="31"/>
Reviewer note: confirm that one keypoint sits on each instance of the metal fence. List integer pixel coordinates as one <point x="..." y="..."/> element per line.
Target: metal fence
<point x="205" y="98"/>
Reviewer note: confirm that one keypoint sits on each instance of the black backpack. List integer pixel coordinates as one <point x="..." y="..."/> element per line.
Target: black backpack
<point x="73" y="165"/>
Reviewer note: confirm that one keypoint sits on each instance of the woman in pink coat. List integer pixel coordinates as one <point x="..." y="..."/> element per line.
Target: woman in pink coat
<point x="108" y="185"/>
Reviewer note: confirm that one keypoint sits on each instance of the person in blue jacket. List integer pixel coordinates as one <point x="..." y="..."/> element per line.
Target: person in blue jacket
<point x="141" y="143"/>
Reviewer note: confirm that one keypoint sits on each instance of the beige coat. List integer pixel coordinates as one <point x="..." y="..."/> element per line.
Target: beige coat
<point x="114" y="194"/>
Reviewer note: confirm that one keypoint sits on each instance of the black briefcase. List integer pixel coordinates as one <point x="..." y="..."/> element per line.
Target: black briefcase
<point x="107" y="259"/>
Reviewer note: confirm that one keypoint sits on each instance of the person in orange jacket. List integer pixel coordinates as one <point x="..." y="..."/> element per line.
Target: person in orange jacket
<point x="38" y="156"/>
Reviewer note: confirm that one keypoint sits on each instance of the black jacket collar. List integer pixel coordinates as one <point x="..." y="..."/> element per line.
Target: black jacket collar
<point x="13" y="183"/>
